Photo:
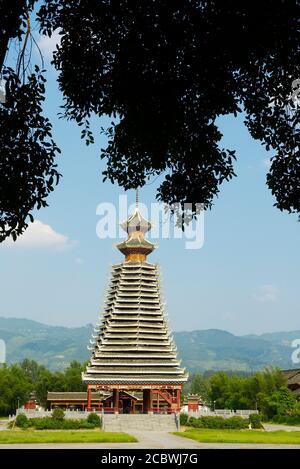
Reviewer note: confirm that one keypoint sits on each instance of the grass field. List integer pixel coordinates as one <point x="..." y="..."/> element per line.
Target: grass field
<point x="241" y="436"/>
<point x="65" y="436"/>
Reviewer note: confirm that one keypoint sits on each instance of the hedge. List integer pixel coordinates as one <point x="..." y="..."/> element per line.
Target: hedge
<point x="50" y="423"/>
<point x="218" y="422"/>
<point x="293" y="419"/>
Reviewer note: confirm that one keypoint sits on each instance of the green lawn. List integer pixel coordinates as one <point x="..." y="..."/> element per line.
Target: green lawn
<point x="241" y="436"/>
<point x="64" y="436"/>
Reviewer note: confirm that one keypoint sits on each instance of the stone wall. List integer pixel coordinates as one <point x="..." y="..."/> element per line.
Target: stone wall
<point x="69" y="414"/>
<point x="226" y="413"/>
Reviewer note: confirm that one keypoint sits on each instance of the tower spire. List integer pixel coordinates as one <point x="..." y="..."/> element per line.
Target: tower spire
<point x="136" y="247"/>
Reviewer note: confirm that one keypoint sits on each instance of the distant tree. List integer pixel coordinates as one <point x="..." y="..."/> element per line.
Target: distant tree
<point x="220" y="390"/>
<point x="44" y="384"/>
<point x="237" y="399"/>
<point x="166" y="71"/>
<point x="200" y="386"/>
<point x="72" y="377"/>
<point x="69" y="380"/>
<point x="19" y="380"/>
<point x="280" y="402"/>
<point x="32" y="369"/>
<point x="15" y="388"/>
<point x="273" y="379"/>
<point x="245" y="392"/>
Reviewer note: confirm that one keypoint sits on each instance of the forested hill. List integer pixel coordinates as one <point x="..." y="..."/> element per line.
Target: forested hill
<point x="212" y="349"/>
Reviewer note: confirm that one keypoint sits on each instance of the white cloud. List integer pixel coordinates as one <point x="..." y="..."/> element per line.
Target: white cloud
<point x="40" y="235"/>
<point x="267" y="294"/>
<point x="48" y="44"/>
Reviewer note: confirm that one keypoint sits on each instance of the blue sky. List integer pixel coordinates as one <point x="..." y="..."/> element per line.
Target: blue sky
<point x="245" y="278"/>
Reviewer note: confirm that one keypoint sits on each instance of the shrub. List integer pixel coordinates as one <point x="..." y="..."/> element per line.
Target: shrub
<point x="77" y="424"/>
<point x="94" y="419"/>
<point x="49" y="423"/>
<point x="22" y="421"/>
<point x="191" y="421"/>
<point x="211" y="422"/>
<point x="58" y="414"/>
<point x="46" y="423"/>
<point x="255" y="421"/>
<point x="184" y="419"/>
<point x="236" y="422"/>
<point x="197" y="423"/>
<point x="292" y="419"/>
<point x="218" y="422"/>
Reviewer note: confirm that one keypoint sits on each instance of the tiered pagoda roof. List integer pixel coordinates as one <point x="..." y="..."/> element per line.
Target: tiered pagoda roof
<point x="133" y="343"/>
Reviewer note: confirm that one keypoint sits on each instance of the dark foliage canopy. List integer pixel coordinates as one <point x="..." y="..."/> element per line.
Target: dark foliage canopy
<point x="12" y="22"/>
<point x="167" y="71"/>
<point x="28" y="171"/>
<point x="27" y="152"/>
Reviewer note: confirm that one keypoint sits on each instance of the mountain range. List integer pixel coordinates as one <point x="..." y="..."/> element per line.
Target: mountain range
<point x="200" y="350"/>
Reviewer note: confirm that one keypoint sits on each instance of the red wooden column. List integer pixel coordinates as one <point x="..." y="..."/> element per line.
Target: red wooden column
<point x="89" y="398"/>
<point x="178" y="400"/>
<point x="145" y="409"/>
<point x="116" y="400"/>
<point x="147" y="401"/>
<point x="150" y="405"/>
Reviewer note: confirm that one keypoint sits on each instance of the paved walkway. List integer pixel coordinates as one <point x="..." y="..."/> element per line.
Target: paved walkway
<point x="273" y="427"/>
<point x="150" y="440"/>
<point x="3" y="424"/>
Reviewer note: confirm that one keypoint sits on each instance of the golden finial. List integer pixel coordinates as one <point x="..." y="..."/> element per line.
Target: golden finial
<point x="137" y="198"/>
